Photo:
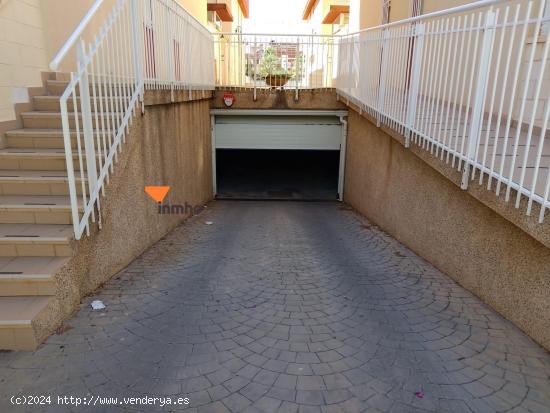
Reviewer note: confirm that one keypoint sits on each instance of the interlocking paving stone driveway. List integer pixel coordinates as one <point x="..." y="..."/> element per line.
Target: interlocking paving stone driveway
<point x="286" y="307"/>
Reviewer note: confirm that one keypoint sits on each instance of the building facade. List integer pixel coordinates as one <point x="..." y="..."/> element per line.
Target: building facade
<point x="31" y="33"/>
<point x="327" y="16"/>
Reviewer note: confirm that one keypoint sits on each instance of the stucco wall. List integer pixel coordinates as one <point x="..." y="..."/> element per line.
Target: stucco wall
<point x="31" y="33"/>
<point x="196" y="8"/>
<point x="23" y="53"/>
<point x="481" y="250"/>
<point x="170" y="145"/>
<point x="318" y="99"/>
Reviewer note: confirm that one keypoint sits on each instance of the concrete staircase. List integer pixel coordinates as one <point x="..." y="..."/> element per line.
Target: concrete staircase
<point x="36" y="233"/>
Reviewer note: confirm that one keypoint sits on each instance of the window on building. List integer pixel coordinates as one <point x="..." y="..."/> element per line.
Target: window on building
<point x="215" y="20"/>
<point x="340" y="26"/>
<point x="416" y="8"/>
<point x="386" y="9"/>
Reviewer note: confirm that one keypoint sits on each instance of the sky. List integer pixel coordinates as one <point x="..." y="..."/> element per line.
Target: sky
<point x="276" y="16"/>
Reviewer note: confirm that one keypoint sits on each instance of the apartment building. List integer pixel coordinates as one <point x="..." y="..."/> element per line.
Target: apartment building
<point x="327" y="16"/>
<point x="226" y="15"/>
<point x="31" y="33"/>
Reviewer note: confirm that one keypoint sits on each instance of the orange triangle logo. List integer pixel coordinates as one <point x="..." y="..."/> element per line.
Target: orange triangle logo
<point x="158" y="193"/>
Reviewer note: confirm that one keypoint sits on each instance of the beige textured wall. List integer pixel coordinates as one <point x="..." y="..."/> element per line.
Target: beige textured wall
<point x="196" y="8"/>
<point x="321" y="8"/>
<point x="478" y="248"/>
<point x="58" y="29"/>
<point x="179" y="155"/>
<point x="400" y="9"/>
<point x="532" y="105"/>
<point x="370" y="15"/>
<point x="22" y="53"/>
<point x="280" y="99"/>
<point x="31" y="33"/>
<point x="227" y="51"/>
<point x="435" y="5"/>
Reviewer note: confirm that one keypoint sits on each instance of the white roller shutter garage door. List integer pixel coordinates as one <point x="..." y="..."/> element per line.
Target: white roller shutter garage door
<point x="278" y="132"/>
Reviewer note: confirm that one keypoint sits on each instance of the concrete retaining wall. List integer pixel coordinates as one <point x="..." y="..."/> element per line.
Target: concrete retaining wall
<point x="169" y="145"/>
<point x="450" y="228"/>
<point x="314" y="99"/>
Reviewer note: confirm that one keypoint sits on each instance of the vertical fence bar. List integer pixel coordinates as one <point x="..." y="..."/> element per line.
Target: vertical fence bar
<point x="254" y="57"/>
<point x="416" y="73"/>
<point x="69" y="162"/>
<point x="479" y="99"/>
<point x="296" y="68"/>
<point x="383" y="75"/>
<point x="87" y="126"/>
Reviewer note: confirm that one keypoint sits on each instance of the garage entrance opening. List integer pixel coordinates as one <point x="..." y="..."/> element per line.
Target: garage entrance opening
<point x="278" y="154"/>
<point x="277" y="174"/>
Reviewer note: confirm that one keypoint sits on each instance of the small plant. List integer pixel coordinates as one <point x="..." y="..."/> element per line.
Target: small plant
<point x="270" y="65"/>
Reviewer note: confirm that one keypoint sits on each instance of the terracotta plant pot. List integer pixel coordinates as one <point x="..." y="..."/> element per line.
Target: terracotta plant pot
<point x="276" y="80"/>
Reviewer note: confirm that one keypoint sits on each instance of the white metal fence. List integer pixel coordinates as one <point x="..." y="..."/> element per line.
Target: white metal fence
<point x="261" y="61"/>
<point x="470" y="84"/>
<point x="152" y="44"/>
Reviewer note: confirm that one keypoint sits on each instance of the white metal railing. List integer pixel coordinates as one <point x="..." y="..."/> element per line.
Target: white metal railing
<point x="469" y="84"/>
<point x="152" y="44"/>
<point x="261" y="61"/>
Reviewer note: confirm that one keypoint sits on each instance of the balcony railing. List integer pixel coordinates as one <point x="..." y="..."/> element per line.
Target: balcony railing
<point x="471" y="85"/>
<point x="264" y="61"/>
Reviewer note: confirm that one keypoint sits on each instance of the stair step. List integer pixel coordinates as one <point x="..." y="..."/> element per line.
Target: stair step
<point x="36" y="183"/>
<point x="57" y="87"/>
<point x="35" y="240"/>
<point x="52" y="120"/>
<point x="42" y="138"/>
<point x="35" y="159"/>
<point x="51" y="103"/>
<point x="38" y="138"/>
<point x="16" y="321"/>
<point x="29" y="275"/>
<point x="35" y="209"/>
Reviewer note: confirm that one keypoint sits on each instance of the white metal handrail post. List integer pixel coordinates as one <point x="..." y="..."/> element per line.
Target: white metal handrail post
<point x="169" y="50"/>
<point x="383" y="76"/>
<point x="70" y="166"/>
<point x="414" y="85"/>
<point x="296" y="63"/>
<point x="136" y="53"/>
<point x="350" y="67"/>
<point x="254" y="57"/>
<point x="481" y="92"/>
<point x="86" y="112"/>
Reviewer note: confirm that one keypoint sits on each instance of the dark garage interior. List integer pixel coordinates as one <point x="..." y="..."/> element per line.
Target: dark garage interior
<point x="277" y="174"/>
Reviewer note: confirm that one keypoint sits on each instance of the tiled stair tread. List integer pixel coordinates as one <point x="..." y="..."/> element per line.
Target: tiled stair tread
<point x="38" y="154"/>
<point x="30" y="267"/>
<point x="57" y="82"/>
<point x="20" y="311"/>
<point x="54" y="98"/>
<point x="50" y="114"/>
<point x="35" y="201"/>
<point x="37" y="133"/>
<point x="48" y="153"/>
<point x="35" y="232"/>
<point x="32" y="151"/>
<point x="28" y="176"/>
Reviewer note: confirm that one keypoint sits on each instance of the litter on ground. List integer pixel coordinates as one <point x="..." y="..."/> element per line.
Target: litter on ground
<point x="97" y="305"/>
